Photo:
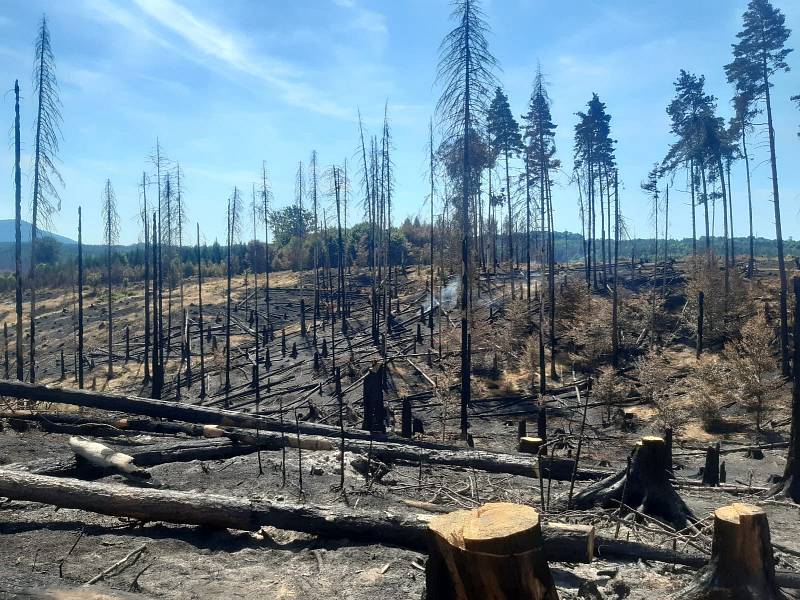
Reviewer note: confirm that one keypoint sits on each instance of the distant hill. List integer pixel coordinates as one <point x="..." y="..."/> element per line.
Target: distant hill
<point x="7" y="233"/>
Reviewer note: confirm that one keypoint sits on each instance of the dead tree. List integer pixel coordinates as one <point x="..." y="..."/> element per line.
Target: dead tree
<point x="18" y="237"/>
<point x="742" y="565"/>
<point x="465" y="72"/>
<point x="790" y="483"/>
<point x="146" y="281"/>
<point x="110" y="234"/>
<point x="646" y="488"/>
<point x="374" y="411"/>
<point x="45" y="201"/>
<point x="200" y="317"/>
<point x="234" y="205"/>
<point x="80" y="300"/>
<point x="494" y="551"/>
<point x="158" y="373"/>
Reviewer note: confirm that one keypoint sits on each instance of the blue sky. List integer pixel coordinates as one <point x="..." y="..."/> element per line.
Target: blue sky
<point x="225" y="85"/>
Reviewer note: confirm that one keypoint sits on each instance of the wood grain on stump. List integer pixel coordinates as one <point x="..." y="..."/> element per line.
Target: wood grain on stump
<point x="742" y="566"/>
<point x="494" y="552"/>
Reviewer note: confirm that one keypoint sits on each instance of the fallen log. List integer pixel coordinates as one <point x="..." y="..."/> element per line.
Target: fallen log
<point x="104" y="457"/>
<point x="563" y="543"/>
<point x="157" y="454"/>
<point x="385" y="449"/>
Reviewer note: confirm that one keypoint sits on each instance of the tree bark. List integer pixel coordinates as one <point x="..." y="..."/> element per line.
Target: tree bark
<point x="495" y="551"/>
<point x="742" y="565"/>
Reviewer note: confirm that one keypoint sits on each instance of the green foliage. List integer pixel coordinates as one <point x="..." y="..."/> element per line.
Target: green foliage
<point x="289" y="222"/>
<point x="760" y="51"/>
<point x="503" y="130"/>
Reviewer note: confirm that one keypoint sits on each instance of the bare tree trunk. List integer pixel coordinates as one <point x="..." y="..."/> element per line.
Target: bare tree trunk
<point x="615" y="300"/>
<point x="228" y="307"/>
<point x="80" y="300"/>
<point x="200" y="317"/>
<point x="778" y="234"/>
<point x="18" y="237"/>
<point x="751" y="260"/>
<point x="465" y="275"/>
<point x="146" y="284"/>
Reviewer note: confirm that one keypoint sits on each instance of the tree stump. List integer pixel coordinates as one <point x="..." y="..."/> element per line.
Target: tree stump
<point x="374" y="409"/>
<point x="711" y="468"/>
<point x="530" y="445"/>
<point x="646" y="489"/>
<point x="742" y="566"/>
<point x="492" y="552"/>
<point x="407" y="420"/>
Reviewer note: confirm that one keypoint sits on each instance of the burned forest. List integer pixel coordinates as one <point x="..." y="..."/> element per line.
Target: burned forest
<point x="559" y="363"/>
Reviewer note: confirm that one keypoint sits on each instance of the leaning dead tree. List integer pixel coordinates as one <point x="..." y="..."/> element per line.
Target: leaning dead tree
<point x="45" y="201"/>
<point x="110" y="236"/>
<point x="465" y="73"/>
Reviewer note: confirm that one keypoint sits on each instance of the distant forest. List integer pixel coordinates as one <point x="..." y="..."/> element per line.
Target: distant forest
<point x="410" y="245"/>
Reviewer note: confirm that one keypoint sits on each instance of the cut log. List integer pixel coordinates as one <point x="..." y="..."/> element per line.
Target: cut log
<point x="105" y="458"/>
<point x="647" y="488"/>
<point x="495" y="551"/>
<point x="742" y="566"/>
<point x="564" y="542"/>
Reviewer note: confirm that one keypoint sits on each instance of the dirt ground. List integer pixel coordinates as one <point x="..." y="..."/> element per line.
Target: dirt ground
<point x="42" y="547"/>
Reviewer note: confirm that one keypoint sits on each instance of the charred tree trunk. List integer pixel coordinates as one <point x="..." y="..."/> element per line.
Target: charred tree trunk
<point x="146" y="284"/>
<point x="18" y="237"/>
<point x="200" y="318"/>
<point x="80" y="300"/>
<point x="645" y="488"/>
<point x="374" y="411"/>
<point x="790" y="485"/>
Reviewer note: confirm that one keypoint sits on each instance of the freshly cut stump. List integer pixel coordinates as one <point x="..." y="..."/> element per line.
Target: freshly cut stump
<point x="646" y="488"/>
<point x="494" y="552"/>
<point x="530" y="445"/>
<point x="742" y="566"/>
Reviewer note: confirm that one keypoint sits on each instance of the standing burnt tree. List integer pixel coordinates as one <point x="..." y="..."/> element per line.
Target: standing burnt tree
<point x="45" y="199"/>
<point x="759" y="54"/>
<point x="465" y="72"/>
<point x="234" y="226"/>
<point x="146" y="281"/>
<point x="18" y="235"/>
<point x="110" y="236"/>
<point x="80" y="299"/>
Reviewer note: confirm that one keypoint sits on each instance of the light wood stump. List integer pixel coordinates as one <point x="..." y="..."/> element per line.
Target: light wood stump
<point x="494" y="552"/>
<point x="742" y="566"/>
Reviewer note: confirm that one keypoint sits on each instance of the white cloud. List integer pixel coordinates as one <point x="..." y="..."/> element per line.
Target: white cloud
<point x="217" y="48"/>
